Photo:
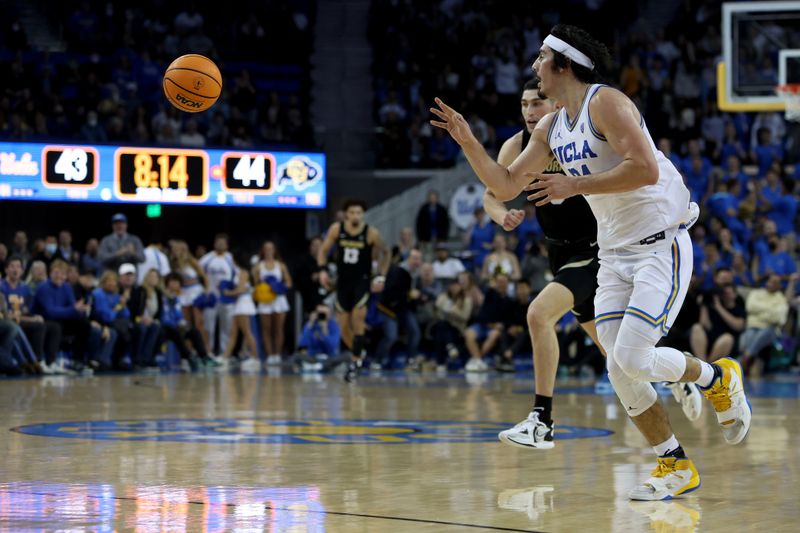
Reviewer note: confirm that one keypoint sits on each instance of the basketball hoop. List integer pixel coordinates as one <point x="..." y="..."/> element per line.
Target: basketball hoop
<point x="790" y="94"/>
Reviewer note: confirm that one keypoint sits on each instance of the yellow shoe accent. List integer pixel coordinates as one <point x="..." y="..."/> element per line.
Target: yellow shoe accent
<point x="671" y="477"/>
<point x="719" y="392"/>
<point x="727" y="396"/>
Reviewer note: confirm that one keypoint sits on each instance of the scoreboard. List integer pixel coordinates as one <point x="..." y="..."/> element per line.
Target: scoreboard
<point x="137" y="174"/>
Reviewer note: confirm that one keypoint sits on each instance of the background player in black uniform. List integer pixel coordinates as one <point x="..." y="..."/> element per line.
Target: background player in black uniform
<point x="357" y="244"/>
<point x="570" y="231"/>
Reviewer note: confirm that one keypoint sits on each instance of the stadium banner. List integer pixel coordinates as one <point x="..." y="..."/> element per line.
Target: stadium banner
<point x="138" y="174"/>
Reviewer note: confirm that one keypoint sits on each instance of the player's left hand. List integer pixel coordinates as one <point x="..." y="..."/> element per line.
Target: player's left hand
<point x="549" y="187"/>
<point x="453" y="122"/>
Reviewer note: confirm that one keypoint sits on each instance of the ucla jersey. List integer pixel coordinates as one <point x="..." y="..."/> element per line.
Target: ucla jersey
<point x="622" y="218"/>
<point x="564" y="220"/>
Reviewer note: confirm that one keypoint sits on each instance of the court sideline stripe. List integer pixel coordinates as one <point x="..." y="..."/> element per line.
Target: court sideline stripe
<point x="334" y="513"/>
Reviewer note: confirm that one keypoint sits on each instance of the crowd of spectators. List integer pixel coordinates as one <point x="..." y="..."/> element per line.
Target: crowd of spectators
<point x="106" y="85"/>
<point x="447" y="301"/>
<point x="465" y="302"/>
<point x="119" y="305"/>
<point x="477" y="54"/>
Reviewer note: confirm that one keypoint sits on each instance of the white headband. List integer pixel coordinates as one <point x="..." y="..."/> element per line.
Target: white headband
<point x="568" y="50"/>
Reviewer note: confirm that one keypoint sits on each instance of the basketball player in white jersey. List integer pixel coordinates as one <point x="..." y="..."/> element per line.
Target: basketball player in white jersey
<point x="570" y="231"/>
<point x="642" y="209"/>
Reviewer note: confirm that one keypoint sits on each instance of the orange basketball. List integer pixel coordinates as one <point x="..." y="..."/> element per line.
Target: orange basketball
<point x="192" y="83"/>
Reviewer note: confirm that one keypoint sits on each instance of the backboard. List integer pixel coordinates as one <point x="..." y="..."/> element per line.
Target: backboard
<point x="760" y="50"/>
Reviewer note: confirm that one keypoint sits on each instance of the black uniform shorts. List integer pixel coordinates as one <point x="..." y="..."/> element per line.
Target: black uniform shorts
<point x="351" y="294"/>
<point x="575" y="267"/>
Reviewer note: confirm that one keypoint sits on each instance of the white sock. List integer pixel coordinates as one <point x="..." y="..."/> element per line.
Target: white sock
<point x="667" y="446"/>
<point x="706" y="374"/>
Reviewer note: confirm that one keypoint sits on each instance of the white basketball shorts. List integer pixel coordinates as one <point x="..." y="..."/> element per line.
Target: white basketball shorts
<point x="645" y="282"/>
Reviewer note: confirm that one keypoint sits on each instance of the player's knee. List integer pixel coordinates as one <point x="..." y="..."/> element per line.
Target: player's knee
<point x="635" y="361"/>
<point x="539" y="318"/>
<point x="635" y="396"/>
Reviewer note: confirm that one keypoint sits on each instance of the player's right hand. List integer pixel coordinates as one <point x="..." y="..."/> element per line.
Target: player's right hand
<point x="325" y="279"/>
<point x="453" y="122"/>
<point x="513" y="218"/>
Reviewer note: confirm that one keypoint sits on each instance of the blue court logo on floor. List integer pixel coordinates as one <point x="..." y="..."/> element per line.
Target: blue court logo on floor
<point x="267" y="431"/>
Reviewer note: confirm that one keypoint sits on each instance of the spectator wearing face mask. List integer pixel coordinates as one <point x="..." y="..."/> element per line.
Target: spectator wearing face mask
<point x="65" y="251"/>
<point x="49" y="254"/>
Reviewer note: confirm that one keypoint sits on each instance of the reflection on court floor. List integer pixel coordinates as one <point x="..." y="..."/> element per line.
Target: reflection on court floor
<point x="395" y="452"/>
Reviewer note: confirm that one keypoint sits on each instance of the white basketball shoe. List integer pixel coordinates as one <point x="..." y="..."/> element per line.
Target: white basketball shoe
<point x="672" y="477"/>
<point x="726" y="394"/>
<point x="690" y="398"/>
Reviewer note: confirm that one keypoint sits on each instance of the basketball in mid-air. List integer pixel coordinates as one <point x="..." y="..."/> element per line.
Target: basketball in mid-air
<point x="192" y="83"/>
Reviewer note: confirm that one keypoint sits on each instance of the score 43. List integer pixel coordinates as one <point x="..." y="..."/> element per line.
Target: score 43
<point x="70" y="166"/>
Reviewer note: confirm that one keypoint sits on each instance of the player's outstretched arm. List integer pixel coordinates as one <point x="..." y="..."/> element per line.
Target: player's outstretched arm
<point x="497" y="210"/>
<point x="505" y="183"/>
<point x="618" y="120"/>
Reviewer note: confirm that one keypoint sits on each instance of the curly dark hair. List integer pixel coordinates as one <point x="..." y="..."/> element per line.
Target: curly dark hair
<point x="594" y="49"/>
<point x="531" y="85"/>
<point x="354" y="202"/>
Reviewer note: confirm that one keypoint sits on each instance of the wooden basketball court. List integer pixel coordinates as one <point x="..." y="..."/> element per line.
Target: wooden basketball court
<point x="395" y="452"/>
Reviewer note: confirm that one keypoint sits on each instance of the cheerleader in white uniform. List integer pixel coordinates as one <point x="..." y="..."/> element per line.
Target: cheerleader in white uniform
<point x="193" y="284"/>
<point x="243" y="310"/>
<point x="272" y="315"/>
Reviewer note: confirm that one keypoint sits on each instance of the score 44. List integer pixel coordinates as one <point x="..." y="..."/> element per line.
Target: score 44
<point x="244" y="172"/>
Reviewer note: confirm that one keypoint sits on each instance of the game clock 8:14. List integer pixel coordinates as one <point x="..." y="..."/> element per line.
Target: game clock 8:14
<point x="152" y="174"/>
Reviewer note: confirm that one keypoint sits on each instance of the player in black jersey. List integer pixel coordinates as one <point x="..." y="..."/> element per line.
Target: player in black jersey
<point x="357" y="244"/>
<point x="570" y="230"/>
